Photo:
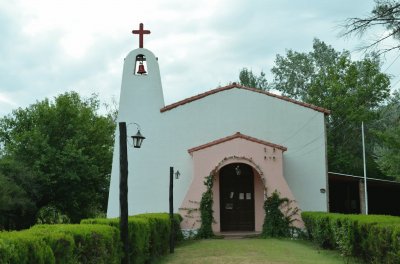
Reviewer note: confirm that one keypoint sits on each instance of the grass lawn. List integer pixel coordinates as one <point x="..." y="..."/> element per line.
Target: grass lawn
<point x="250" y="251"/>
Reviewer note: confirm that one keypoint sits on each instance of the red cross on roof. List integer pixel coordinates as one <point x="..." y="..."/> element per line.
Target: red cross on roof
<point x="141" y="32"/>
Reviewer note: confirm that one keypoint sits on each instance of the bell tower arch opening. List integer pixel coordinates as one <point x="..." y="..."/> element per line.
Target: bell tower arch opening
<point x="141" y="65"/>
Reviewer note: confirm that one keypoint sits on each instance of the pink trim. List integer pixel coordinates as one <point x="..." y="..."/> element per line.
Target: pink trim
<point x="234" y="136"/>
<point x="235" y="85"/>
<point x="267" y="165"/>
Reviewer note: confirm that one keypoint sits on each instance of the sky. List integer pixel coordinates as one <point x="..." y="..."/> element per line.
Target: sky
<point x="50" y="47"/>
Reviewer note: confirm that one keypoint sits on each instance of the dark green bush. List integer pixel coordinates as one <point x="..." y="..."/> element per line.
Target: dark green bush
<point x="373" y="238"/>
<point x="51" y="215"/>
<point x="278" y="216"/>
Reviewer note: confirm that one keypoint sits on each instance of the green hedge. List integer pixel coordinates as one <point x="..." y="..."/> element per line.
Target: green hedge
<point x="373" y="238"/>
<point x="92" y="241"/>
<point x="61" y="244"/>
<point x="148" y="234"/>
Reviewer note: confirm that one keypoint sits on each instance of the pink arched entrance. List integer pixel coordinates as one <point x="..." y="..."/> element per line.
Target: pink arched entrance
<point x="242" y="210"/>
<point x="262" y="158"/>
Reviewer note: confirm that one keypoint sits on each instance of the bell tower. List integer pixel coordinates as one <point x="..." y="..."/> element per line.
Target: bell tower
<point x="141" y="99"/>
<point x="141" y="95"/>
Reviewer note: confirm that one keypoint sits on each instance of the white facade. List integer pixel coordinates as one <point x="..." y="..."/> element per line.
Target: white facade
<point x="172" y="130"/>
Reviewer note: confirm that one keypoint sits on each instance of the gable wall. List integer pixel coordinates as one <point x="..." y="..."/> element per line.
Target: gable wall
<point x="299" y="129"/>
<point x="172" y="133"/>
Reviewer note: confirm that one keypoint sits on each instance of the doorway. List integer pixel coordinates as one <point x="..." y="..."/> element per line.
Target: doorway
<point x="237" y="197"/>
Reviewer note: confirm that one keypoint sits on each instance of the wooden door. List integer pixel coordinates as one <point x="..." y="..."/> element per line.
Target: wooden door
<point x="237" y="197"/>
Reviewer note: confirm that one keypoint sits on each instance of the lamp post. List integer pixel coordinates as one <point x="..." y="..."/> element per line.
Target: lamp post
<point x="123" y="185"/>
<point x="171" y="207"/>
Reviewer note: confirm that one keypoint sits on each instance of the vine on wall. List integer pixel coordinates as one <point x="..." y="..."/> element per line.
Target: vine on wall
<point x="206" y="211"/>
<point x="279" y="216"/>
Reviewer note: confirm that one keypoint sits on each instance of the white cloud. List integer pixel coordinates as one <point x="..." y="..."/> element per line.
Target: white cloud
<point x="52" y="46"/>
<point x="7" y="100"/>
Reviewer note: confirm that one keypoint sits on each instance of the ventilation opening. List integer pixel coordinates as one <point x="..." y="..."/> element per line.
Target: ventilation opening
<point x="141" y="65"/>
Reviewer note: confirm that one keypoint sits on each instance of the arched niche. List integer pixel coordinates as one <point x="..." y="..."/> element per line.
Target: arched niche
<point x="141" y="65"/>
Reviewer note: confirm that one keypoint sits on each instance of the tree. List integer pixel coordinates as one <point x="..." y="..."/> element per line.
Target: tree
<point x="249" y="79"/>
<point x="386" y="13"/>
<point x="387" y="150"/>
<point x="67" y="147"/>
<point x="352" y="90"/>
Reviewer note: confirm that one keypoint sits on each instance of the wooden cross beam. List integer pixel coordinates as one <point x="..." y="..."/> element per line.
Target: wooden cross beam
<point x="141" y="32"/>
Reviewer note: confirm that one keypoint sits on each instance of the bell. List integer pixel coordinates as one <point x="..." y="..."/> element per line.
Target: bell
<point x="141" y="69"/>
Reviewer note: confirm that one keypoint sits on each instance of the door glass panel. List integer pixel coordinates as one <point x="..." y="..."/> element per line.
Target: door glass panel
<point x="248" y="196"/>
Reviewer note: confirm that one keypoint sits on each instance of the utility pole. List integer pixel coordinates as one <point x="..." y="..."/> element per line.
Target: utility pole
<point x="365" y="170"/>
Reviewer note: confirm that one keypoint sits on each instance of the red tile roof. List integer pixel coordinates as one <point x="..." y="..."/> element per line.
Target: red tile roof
<point x="234" y="136"/>
<point x="235" y="85"/>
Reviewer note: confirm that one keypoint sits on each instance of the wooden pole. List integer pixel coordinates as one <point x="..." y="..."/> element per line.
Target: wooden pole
<point x="123" y="192"/>
<point x="171" y="209"/>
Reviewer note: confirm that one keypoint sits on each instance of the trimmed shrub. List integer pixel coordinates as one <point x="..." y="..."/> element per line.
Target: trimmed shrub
<point x="61" y="244"/>
<point x="92" y="241"/>
<point x="160" y="228"/>
<point x="148" y="234"/>
<point x="373" y="238"/>
<point x="81" y="243"/>
<point x="139" y="236"/>
<point x="25" y="248"/>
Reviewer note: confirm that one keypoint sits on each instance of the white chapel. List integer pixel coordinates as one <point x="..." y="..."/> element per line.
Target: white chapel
<point x="254" y="141"/>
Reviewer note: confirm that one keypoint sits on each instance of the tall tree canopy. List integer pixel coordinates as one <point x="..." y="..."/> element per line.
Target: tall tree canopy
<point x="386" y="13"/>
<point x="388" y="131"/>
<point x="58" y="153"/>
<point x="354" y="91"/>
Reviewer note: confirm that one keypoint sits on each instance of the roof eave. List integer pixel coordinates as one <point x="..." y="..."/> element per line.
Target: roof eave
<point x="235" y="85"/>
<point x="235" y="136"/>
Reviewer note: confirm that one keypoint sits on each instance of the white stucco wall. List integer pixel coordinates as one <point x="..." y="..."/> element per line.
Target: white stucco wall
<point x="298" y="128"/>
<point x="170" y="134"/>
